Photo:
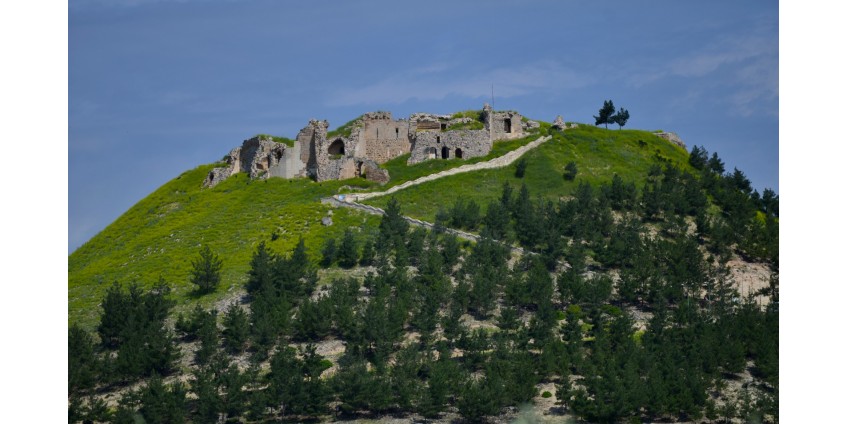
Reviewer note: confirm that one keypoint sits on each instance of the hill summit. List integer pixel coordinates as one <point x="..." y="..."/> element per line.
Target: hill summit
<point x="360" y="146"/>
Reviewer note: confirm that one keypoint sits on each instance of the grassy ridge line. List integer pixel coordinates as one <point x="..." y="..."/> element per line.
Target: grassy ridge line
<point x="162" y="234"/>
<point x="598" y="153"/>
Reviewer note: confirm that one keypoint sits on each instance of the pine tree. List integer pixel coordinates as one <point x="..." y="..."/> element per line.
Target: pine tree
<point x="496" y="221"/>
<point x="715" y="164"/>
<point x="261" y="273"/>
<point x="207" y="333"/>
<point x="698" y="157"/>
<point x="161" y="403"/>
<point x="368" y="252"/>
<point x="206" y="271"/>
<point x="348" y="253"/>
<point x="236" y="328"/>
<point x="329" y="252"/>
<point x="83" y="365"/>
<point x="621" y="117"/>
<point x="605" y="114"/>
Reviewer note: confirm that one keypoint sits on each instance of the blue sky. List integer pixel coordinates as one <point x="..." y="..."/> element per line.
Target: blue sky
<point x="156" y="87"/>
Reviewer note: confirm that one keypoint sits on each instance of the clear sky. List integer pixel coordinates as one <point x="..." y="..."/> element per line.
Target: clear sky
<point x="157" y="87"/>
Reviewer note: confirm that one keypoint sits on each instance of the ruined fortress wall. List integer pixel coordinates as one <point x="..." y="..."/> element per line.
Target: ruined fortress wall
<point x="385" y="139"/>
<point x="438" y="144"/>
<point x="290" y="165"/>
<point x="311" y="138"/>
<point x="258" y="155"/>
<point x="506" y="125"/>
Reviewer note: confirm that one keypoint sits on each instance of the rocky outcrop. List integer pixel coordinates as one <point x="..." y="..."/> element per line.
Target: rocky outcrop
<point x="558" y="123"/>
<point x="529" y="125"/>
<point x="372" y="172"/>
<point x="672" y="137"/>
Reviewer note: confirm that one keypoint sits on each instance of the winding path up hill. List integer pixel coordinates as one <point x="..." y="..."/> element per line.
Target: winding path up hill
<point x="351" y="200"/>
<point x="498" y="162"/>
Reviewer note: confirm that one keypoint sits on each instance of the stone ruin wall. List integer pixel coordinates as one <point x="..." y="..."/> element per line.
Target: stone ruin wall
<point x="374" y="139"/>
<point x="505" y="125"/>
<point x="432" y="144"/>
<point x="260" y="157"/>
<point x="385" y="138"/>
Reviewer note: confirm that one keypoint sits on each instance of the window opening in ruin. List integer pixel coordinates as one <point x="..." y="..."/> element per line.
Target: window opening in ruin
<point x="445" y="152"/>
<point x="507" y="125"/>
<point x="336" y="148"/>
<point x="444" y="126"/>
<point x="397" y="133"/>
<point x="438" y="139"/>
<point x="458" y="153"/>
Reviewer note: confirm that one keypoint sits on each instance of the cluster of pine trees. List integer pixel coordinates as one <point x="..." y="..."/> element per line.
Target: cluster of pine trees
<point x="560" y="314"/>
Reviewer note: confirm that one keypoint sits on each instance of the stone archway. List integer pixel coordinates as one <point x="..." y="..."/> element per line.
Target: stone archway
<point x="431" y="153"/>
<point x="336" y="147"/>
<point x="445" y="152"/>
<point x="458" y="153"/>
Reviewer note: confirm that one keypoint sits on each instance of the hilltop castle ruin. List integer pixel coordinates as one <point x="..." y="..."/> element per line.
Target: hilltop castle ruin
<point x="373" y="139"/>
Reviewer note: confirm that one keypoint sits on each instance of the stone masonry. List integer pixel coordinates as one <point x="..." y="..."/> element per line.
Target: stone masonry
<point x="374" y="139"/>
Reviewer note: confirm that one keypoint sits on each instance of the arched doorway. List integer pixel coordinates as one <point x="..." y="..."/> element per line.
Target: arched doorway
<point x="458" y="153"/>
<point x="336" y="147"/>
<point x="507" y="125"/>
<point x="445" y="152"/>
<point x="431" y="153"/>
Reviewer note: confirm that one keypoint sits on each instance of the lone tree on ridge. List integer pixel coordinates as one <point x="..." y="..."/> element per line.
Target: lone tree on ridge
<point x="605" y="114"/>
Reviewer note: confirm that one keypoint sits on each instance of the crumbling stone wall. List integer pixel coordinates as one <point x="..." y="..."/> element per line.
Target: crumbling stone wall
<point x="314" y="133"/>
<point x="260" y="157"/>
<point x="438" y="144"/>
<point x="374" y="139"/>
<point x="290" y="164"/>
<point x="384" y="137"/>
<point x="505" y="125"/>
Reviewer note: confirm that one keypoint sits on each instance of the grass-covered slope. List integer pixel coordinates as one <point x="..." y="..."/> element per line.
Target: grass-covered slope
<point x="162" y="234"/>
<point x="599" y="154"/>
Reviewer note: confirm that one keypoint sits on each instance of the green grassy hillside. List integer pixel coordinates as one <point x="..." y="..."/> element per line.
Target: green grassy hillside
<point x="599" y="154"/>
<point x="163" y="233"/>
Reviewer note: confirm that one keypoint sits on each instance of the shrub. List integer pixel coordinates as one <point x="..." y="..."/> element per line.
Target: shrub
<point x="570" y="171"/>
<point x="520" y="167"/>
